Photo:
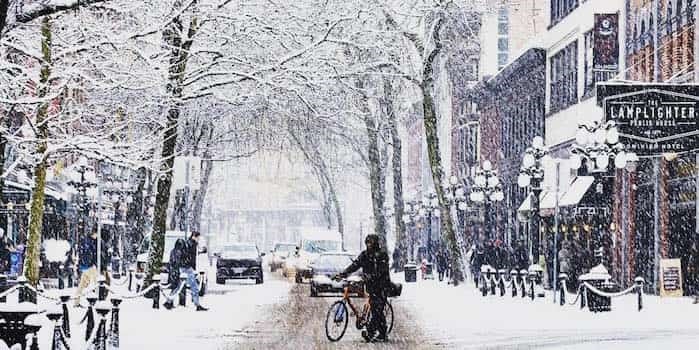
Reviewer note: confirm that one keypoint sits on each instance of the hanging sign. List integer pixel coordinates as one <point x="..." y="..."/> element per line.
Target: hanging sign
<point x="653" y="119"/>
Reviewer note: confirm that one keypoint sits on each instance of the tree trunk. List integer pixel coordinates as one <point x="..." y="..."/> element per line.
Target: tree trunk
<point x="431" y="135"/>
<point x="179" y="51"/>
<point x="4" y="9"/>
<point x="325" y="180"/>
<point x="396" y="164"/>
<point x="198" y="205"/>
<point x="377" y="194"/>
<point x="31" y="266"/>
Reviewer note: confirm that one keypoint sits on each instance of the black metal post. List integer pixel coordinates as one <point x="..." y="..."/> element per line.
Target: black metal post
<point x="92" y="299"/>
<point x="156" y="292"/>
<point x="486" y="218"/>
<point x="536" y="190"/>
<point x="66" y="320"/>
<point x="114" y="326"/>
<point x="101" y="338"/>
<point x="429" y="236"/>
<point x="183" y="291"/>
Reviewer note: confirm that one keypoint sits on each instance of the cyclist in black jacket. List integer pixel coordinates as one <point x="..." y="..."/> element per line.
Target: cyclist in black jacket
<point x="374" y="264"/>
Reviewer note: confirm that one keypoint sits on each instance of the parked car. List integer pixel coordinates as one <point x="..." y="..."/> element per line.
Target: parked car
<point x="170" y="238"/>
<point x="239" y="261"/>
<point x="327" y="266"/>
<point x="311" y="245"/>
<point x="279" y="253"/>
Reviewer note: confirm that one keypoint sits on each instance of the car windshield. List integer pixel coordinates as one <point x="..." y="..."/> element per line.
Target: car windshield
<point x="339" y="261"/>
<point x="321" y="246"/>
<point x="284" y="247"/>
<point x="250" y="249"/>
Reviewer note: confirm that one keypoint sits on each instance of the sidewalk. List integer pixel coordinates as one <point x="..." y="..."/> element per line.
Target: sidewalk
<point x="460" y="317"/>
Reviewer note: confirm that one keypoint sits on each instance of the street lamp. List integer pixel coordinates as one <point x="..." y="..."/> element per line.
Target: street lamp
<point x="82" y="182"/>
<point x="530" y="175"/>
<point x="410" y="217"/>
<point x="485" y="190"/>
<point x="597" y="144"/>
<point x="428" y="209"/>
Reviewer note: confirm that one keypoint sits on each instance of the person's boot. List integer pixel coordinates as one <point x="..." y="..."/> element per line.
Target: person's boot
<point x="169" y="305"/>
<point x="201" y="308"/>
<point x="367" y="336"/>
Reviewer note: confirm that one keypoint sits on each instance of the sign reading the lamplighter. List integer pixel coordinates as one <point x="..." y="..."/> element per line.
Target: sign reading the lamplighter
<point x="653" y="119"/>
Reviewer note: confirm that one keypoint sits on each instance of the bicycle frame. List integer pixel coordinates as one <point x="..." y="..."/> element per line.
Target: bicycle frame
<point x="365" y="308"/>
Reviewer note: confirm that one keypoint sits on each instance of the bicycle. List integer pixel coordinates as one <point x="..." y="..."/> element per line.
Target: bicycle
<point x="338" y="316"/>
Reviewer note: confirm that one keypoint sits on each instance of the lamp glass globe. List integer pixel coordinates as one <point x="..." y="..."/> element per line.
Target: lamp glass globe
<point x="538" y="142"/>
<point x="582" y="136"/>
<point x="528" y="160"/>
<point x="523" y="180"/>
<point x="600" y="135"/>
<point x="493" y="181"/>
<point x="602" y="161"/>
<point x="612" y="136"/>
<point x="459" y="192"/>
<point x="453" y="180"/>
<point x="487" y="165"/>
<point x="436" y="213"/>
<point x="462" y="206"/>
<point x="620" y="160"/>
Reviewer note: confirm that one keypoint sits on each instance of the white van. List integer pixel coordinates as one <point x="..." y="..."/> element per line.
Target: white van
<point x="313" y="243"/>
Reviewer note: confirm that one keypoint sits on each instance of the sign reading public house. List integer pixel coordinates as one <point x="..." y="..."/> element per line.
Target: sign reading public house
<point x="653" y="119"/>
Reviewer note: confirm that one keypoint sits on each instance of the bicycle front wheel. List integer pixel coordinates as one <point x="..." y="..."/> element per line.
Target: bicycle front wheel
<point x="336" y="321"/>
<point x="388" y="313"/>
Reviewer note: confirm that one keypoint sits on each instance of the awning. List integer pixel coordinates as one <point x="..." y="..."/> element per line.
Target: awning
<point x="576" y="191"/>
<point x="548" y="201"/>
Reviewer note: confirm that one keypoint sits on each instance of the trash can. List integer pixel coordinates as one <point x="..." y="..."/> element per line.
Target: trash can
<point x="599" y="278"/>
<point x="410" y="272"/>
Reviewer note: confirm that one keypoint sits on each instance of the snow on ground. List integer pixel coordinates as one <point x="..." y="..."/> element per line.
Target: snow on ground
<point x="232" y="307"/>
<point x="462" y="318"/>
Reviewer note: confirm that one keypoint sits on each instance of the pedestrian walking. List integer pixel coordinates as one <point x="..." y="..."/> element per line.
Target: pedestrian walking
<point x="441" y="264"/>
<point x="477" y="260"/>
<point x="87" y="258"/>
<point x="520" y="256"/>
<point x="188" y="266"/>
<point x="564" y="258"/>
<point x="6" y="248"/>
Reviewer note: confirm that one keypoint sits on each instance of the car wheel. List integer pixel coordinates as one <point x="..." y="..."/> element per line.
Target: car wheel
<point x="298" y="278"/>
<point x="314" y="292"/>
<point x="220" y="280"/>
<point x="260" y="279"/>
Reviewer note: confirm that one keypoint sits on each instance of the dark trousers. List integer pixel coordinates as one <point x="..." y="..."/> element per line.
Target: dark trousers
<point x="377" y="322"/>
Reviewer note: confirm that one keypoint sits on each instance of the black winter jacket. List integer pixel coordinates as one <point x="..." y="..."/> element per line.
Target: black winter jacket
<point x="374" y="265"/>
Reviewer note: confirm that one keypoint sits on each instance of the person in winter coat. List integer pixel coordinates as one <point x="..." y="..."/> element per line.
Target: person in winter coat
<point x="477" y="258"/>
<point x="5" y="249"/>
<point x="520" y="260"/>
<point x="374" y="264"/>
<point x="564" y="264"/>
<point x="442" y="264"/>
<point x="174" y="263"/>
<point x="489" y="254"/>
<point x="188" y="266"/>
<point x="87" y="264"/>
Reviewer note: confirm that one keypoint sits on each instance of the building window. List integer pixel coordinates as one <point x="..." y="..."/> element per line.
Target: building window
<point x="589" y="58"/>
<point x="503" y="28"/>
<point x="561" y="8"/>
<point x="502" y="60"/>
<point x="564" y="77"/>
<point x="502" y="44"/>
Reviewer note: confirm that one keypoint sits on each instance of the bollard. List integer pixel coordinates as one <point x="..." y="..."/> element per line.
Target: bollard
<point x="102" y="289"/>
<point x="501" y="279"/>
<point x="156" y="292"/>
<point x="25" y="295"/>
<point x="183" y="291"/>
<point x="513" y="279"/>
<point x="3" y="287"/>
<point x="57" y="341"/>
<point x="493" y="282"/>
<point x="91" y="299"/>
<point x="639" y="281"/>
<point x="484" y="277"/>
<point x="583" y="296"/>
<point x="532" y="281"/>
<point x="101" y="337"/>
<point x="33" y="330"/>
<point x="131" y="271"/>
<point x="202" y="285"/>
<point x="66" y="320"/>
<point x="114" y="325"/>
<point x="562" y="278"/>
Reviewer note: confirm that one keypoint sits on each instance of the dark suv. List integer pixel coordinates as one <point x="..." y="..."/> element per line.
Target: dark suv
<point x="239" y="261"/>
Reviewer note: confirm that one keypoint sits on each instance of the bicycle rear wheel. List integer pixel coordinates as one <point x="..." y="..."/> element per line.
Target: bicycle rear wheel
<point x="336" y="321"/>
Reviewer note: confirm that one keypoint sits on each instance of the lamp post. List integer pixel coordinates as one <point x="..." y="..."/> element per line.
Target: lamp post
<point x="486" y="190"/>
<point x="596" y="146"/>
<point x="530" y="175"/>
<point x="410" y="217"/>
<point x="82" y="183"/>
<point x="116" y="192"/>
<point x="429" y="209"/>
